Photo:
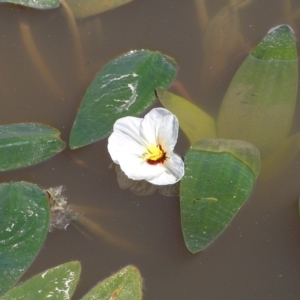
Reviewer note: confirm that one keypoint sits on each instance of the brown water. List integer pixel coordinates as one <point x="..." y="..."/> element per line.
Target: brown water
<point x="258" y="255"/>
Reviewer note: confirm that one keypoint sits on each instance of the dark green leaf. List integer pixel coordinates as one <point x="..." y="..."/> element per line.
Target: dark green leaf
<point x="219" y="177"/>
<point x="57" y="283"/>
<point x="260" y="102"/>
<point x="26" y="144"/>
<point x="40" y="4"/>
<point x="124" y="285"/>
<point x="124" y="87"/>
<point x="24" y="223"/>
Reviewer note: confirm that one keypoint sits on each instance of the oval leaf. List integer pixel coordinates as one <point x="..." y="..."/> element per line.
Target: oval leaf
<point x="39" y="4"/>
<point x="259" y="104"/>
<point x="126" y="284"/>
<point x="57" y="283"/>
<point x="193" y="121"/>
<point x="24" y="223"/>
<point x="124" y="87"/>
<point x="217" y="182"/>
<point x="25" y="144"/>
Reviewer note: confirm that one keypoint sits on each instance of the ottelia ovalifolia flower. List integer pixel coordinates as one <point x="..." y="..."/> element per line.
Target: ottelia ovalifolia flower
<point x="143" y="147"/>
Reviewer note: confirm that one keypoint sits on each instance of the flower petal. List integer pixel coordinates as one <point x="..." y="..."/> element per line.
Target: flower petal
<point x="138" y="169"/>
<point x="132" y="138"/>
<point x="174" y="171"/>
<point x="160" y="127"/>
<point x="125" y="140"/>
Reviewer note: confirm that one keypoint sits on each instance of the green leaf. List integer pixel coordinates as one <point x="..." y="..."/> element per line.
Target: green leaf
<point x="39" y="4"/>
<point x="25" y="144"/>
<point x="278" y="44"/>
<point x="125" y="284"/>
<point x="124" y="87"/>
<point x="219" y="177"/>
<point x="24" y="223"/>
<point x="56" y="283"/>
<point x="245" y="152"/>
<point x="193" y="121"/>
<point x="83" y="9"/>
<point x="260" y="102"/>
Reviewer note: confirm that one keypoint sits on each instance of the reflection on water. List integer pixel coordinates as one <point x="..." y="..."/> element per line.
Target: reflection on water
<point x="143" y="187"/>
<point x="262" y="243"/>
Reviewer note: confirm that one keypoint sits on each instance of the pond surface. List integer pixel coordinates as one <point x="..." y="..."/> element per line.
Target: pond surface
<point x="256" y="257"/>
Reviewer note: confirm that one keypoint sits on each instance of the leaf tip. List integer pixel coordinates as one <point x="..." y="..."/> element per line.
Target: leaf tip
<point x="279" y="44"/>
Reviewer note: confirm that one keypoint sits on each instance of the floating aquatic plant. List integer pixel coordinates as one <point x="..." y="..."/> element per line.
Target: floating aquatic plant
<point x="144" y="147"/>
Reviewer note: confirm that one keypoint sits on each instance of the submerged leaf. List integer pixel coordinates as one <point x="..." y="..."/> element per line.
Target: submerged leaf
<point x="125" y="86"/>
<point x="39" y="4"/>
<point x="24" y="223"/>
<point x="25" y="144"/>
<point x="220" y="41"/>
<point x="281" y="158"/>
<point x="193" y="121"/>
<point x="260" y="102"/>
<point x="83" y="9"/>
<point x="57" y="283"/>
<point x="125" y="284"/>
<point x="219" y="177"/>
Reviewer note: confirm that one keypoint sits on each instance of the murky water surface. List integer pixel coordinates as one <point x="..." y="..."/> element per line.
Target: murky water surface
<point x="258" y="255"/>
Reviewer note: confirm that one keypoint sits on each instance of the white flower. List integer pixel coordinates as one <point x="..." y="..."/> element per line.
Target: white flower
<point x="144" y="147"/>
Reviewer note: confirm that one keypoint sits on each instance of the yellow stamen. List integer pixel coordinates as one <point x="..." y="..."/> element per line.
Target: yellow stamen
<point x="153" y="153"/>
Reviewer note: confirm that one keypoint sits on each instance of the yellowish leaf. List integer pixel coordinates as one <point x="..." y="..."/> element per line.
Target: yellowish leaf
<point x="193" y="121"/>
